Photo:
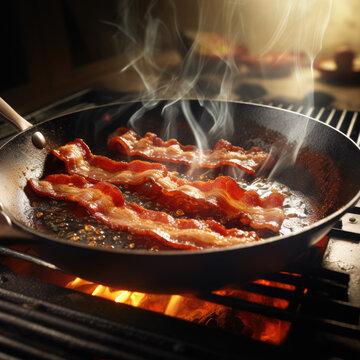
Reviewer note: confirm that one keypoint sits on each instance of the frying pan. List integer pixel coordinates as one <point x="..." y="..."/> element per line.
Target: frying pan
<point x="315" y="159"/>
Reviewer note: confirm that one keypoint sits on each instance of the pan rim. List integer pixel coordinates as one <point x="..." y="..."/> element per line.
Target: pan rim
<point x="141" y="252"/>
<point x="123" y="102"/>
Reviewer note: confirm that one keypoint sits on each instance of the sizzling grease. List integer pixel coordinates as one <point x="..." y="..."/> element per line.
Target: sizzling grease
<point x="69" y="221"/>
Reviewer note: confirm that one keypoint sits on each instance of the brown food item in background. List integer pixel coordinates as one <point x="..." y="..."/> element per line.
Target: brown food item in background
<point x="343" y="68"/>
<point x="273" y="64"/>
<point x="344" y="58"/>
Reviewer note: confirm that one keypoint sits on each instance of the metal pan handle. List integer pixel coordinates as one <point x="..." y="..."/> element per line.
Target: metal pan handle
<point x="33" y="259"/>
<point x="20" y="123"/>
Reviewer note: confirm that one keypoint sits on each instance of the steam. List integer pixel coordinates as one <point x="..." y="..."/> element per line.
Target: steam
<point x="300" y="32"/>
<point x="283" y="27"/>
<point x="143" y="39"/>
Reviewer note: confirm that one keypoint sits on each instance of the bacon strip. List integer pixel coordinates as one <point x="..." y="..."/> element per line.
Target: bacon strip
<point x="222" y="198"/>
<point x="106" y="203"/>
<point x="152" y="147"/>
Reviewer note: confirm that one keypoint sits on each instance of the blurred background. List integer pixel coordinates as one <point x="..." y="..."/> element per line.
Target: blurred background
<point x="274" y="51"/>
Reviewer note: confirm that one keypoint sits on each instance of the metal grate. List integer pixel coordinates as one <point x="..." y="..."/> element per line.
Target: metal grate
<point x="49" y="322"/>
<point x="40" y="320"/>
<point x="345" y="121"/>
<point x="32" y="327"/>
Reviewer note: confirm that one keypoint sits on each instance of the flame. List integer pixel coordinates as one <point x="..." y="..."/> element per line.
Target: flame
<point x="189" y="308"/>
<point x="206" y="313"/>
<point x="173" y="305"/>
<point x="120" y="296"/>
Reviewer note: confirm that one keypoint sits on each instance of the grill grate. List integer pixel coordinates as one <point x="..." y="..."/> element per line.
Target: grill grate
<point x="61" y="323"/>
<point x="33" y="323"/>
<point x="346" y="121"/>
<point x="48" y="324"/>
<point x="64" y="323"/>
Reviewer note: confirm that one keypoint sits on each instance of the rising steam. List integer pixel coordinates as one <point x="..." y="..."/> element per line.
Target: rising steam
<point x="145" y="29"/>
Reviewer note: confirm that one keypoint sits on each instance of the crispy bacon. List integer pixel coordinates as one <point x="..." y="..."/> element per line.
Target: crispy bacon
<point x="107" y="204"/>
<point x="152" y="147"/>
<point x="222" y="198"/>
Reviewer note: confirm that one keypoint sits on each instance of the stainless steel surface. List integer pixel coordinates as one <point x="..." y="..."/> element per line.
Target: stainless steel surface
<point x="20" y="123"/>
<point x="11" y="115"/>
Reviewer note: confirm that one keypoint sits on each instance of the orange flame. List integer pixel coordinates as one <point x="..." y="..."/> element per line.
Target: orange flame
<point x="195" y="310"/>
<point x="188" y="308"/>
<point x="120" y="296"/>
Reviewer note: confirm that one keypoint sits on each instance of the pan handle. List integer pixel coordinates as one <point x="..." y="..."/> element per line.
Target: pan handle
<point x="20" y="123"/>
<point x="32" y="259"/>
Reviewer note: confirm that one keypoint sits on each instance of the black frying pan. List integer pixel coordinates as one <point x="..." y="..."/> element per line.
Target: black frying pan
<point x="326" y="169"/>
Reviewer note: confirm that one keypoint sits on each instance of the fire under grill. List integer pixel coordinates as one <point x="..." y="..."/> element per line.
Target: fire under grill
<point x="43" y="320"/>
<point x="311" y="307"/>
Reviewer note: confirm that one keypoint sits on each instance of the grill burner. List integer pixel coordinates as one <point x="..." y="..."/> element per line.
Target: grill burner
<point x="46" y="321"/>
<point x="60" y="322"/>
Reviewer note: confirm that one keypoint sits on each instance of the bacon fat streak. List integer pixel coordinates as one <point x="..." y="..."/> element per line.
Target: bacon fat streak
<point x="222" y="198"/>
<point x="106" y="203"/>
<point x="152" y="147"/>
